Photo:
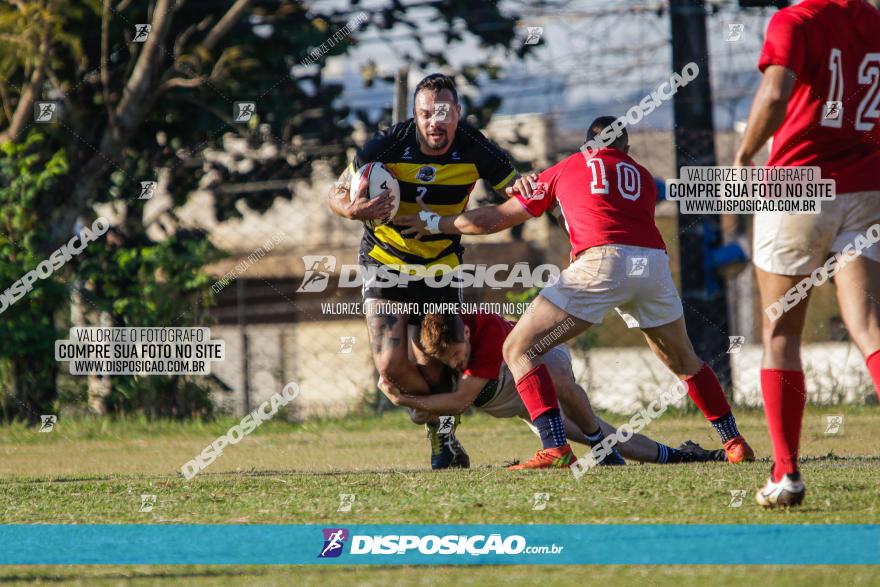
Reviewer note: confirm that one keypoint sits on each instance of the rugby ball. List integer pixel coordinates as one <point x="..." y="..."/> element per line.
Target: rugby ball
<point x="378" y="179"/>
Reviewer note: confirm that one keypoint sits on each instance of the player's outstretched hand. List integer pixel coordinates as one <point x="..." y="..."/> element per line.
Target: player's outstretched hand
<point x="417" y="223"/>
<point x="365" y="208"/>
<point x="524" y="185"/>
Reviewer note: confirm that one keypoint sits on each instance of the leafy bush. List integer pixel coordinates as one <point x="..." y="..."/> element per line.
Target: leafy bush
<point x="28" y="328"/>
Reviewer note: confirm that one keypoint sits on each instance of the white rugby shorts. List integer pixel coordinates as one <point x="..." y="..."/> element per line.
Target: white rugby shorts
<point x="796" y="244"/>
<point x="635" y="281"/>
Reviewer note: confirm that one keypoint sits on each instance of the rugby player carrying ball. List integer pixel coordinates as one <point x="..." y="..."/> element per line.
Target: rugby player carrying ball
<point x="436" y="158"/>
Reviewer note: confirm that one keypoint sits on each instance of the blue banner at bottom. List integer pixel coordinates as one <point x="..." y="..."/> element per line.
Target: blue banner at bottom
<point x="221" y="544"/>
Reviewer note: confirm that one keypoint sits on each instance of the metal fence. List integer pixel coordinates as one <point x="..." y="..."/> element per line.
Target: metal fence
<point x="274" y="332"/>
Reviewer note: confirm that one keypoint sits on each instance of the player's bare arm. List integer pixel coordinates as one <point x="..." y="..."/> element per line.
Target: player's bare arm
<point x="767" y="113"/>
<point x="486" y="219"/>
<point x="483" y="220"/>
<point x="362" y="207"/>
<point x="446" y="404"/>
<point x="388" y="344"/>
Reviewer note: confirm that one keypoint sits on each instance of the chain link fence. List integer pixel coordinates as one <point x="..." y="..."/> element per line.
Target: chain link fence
<point x="276" y="329"/>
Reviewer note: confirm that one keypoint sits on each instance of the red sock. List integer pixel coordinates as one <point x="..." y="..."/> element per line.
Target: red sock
<point x="706" y="392"/>
<point x="537" y="391"/>
<point x="873" y="363"/>
<point x="785" y="395"/>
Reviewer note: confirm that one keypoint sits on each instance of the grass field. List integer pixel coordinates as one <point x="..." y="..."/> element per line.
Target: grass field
<point x="95" y="471"/>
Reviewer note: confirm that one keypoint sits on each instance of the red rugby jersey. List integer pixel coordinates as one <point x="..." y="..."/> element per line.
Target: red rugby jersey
<point x="833" y="116"/>
<point x="488" y="332"/>
<point x="605" y="199"/>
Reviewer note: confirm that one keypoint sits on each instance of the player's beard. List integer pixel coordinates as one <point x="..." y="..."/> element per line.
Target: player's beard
<point x="436" y="143"/>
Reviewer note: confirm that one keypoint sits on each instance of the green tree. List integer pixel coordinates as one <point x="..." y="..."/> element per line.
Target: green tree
<point x="27" y="327"/>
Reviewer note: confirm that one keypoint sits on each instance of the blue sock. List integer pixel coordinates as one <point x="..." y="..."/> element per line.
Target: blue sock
<point x="614" y="458"/>
<point x="726" y="427"/>
<point x="667" y="454"/>
<point x="551" y="429"/>
<point x="596" y="437"/>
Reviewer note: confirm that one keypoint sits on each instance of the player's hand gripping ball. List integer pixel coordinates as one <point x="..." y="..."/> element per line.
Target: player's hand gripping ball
<point x="373" y="181"/>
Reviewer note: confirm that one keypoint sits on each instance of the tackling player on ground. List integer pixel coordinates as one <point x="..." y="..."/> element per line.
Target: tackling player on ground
<point x="472" y="345"/>
<point x="607" y="201"/>
<point x="819" y="99"/>
<point x="437" y="158"/>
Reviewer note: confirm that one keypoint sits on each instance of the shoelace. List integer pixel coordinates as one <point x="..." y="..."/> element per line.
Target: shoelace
<point x="451" y="443"/>
<point x="439" y="441"/>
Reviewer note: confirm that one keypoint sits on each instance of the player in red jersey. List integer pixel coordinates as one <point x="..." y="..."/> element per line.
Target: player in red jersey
<point x="819" y="99"/>
<point x="619" y="261"/>
<point x="472" y="344"/>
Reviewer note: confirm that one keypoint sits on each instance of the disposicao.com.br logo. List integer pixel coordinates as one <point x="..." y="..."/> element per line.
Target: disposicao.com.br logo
<point x="450" y="544"/>
<point x="320" y="268"/>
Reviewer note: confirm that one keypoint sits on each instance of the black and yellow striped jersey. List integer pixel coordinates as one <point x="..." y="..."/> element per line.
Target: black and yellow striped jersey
<point x="444" y="182"/>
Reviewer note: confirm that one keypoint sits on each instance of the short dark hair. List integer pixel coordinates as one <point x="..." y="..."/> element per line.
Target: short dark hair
<point x="437" y="82"/>
<point x="597" y="126"/>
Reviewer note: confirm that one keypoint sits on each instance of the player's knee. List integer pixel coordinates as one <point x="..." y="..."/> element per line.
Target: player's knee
<point x="681" y="359"/>
<point x="782" y="347"/>
<point x="420" y="417"/>
<point x="780" y="335"/>
<point x="864" y="331"/>
<point x="687" y="363"/>
<point x="513" y="351"/>
<point x="867" y="340"/>
<point x="789" y="325"/>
